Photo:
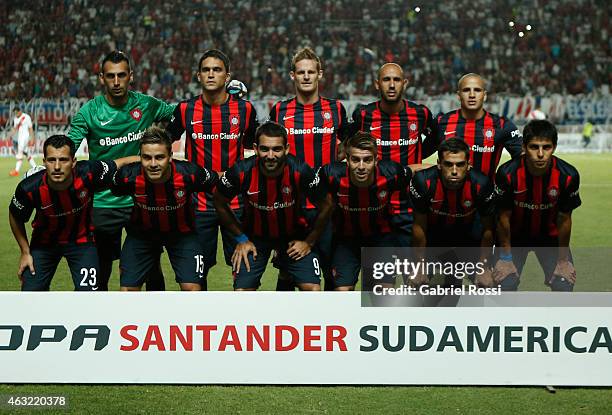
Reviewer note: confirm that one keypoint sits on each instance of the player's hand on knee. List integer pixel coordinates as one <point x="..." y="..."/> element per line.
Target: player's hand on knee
<point x="485" y="278"/>
<point x="419" y="280"/>
<point x="25" y="261"/>
<point x="565" y="269"/>
<point x="298" y="250"/>
<point x="503" y="269"/>
<point x="241" y="253"/>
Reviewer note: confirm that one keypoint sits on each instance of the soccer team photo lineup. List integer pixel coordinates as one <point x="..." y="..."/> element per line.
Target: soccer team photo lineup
<point x="309" y="187"/>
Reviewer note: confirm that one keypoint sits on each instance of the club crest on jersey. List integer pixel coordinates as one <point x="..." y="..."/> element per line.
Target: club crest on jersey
<point x="180" y="193"/>
<point x="382" y="194"/>
<point x="553" y="192"/>
<point x="234" y="121"/>
<point x="327" y="116"/>
<point x="286" y="190"/>
<point x="467" y="204"/>
<point x="136" y="114"/>
<point x="83" y="194"/>
<point x="413" y="127"/>
<point x="488" y="134"/>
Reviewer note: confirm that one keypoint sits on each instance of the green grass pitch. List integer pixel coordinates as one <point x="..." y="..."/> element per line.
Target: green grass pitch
<point x="591" y="239"/>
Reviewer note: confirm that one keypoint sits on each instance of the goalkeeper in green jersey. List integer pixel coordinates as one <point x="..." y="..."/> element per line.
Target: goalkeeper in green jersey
<point x="112" y="124"/>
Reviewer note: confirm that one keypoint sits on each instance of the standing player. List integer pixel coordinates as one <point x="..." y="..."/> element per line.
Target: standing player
<point x="218" y="127"/>
<point x="361" y="189"/>
<point x="162" y="191"/>
<point x="486" y="134"/>
<point x="447" y="199"/>
<point x="404" y="133"/>
<point x="22" y="125"/>
<point x="113" y="124"/>
<point x="315" y="126"/>
<point x="62" y="196"/>
<point x="537" y="194"/>
<point x="273" y="184"/>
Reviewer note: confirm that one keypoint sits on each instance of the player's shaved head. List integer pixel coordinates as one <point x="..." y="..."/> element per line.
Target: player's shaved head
<point x="389" y="65"/>
<point x="471" y="75"/>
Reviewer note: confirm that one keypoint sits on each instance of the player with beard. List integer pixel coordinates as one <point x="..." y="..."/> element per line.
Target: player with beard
<point x="112" y="124"/>
<point x="162" y="190"/>
<point x="273" y="183"/>
<point x="218" y="128"/>
<point x="537" y="193"/>
<point x="404" y="133"/>
<point x="485" y="133"/>
<point x="62" y="195"/>
<point x="315" y="127"/>
<point x="447" y="199"/>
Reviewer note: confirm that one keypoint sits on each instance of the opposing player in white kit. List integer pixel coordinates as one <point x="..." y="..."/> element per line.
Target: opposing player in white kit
<point x="22" y="125"/>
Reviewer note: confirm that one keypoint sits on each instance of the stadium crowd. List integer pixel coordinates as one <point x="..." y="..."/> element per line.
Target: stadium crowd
<point x="53" y="49"/>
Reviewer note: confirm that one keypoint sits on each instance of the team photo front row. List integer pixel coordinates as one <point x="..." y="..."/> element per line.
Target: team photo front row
<point x="313" y="223"/>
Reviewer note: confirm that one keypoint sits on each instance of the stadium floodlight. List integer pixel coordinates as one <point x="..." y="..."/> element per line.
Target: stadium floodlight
<point x="528" y="27"/>
<point x="521" y="34"/>
<point x="511" y="23"/>
<point x="417" y="9"/>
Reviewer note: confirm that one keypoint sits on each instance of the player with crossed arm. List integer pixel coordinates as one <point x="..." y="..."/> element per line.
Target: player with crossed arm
<point x="361" y="189"/>
<point x="162" y="190"/>
<point x="447" y="198"/>
<point x="273" y="184"/>
<point x="112" y="124"/>
<point x="22" y="125"/>
<point x="315" y="128"/>
<point x="62" y="195"/>
<point x="537" y="193"/>
<point x="404" y="133"/>
<point x="218" y="127"/>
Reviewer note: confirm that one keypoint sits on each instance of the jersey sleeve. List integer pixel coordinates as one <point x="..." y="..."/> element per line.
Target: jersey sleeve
<point x="252" y="123"/>
<point x="513" y="139"/>
<point x="122" y="183"/>
<point x="79" y="129"/>
<point x="21" y="206"/>
<point x="164" y="111"/>
<point x="28" y="121"/>
<point x="503" y="191"/>
<point x="418" y="193"/>
<point x="343" y="130"/>
<point x="486" y="198"/>
<point x="205" y="179"/>
<point x="103" y="172"/>
<point x="229" y="185"/>
<point x="430" y="145"/>
<point x="355" y="124"/>
<point x="176" y="127"/>
<point x="312" y="182"/>
<point x="570" y="198"/>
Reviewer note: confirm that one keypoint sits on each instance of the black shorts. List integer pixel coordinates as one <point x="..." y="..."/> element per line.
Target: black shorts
<point x="305" y="271"/>
<point x="546" y="250"/>
<point x="207" y="229"/>
<point x="346" y="258"/>
<point x="82" y="260"/>
<point x="140" y="254"/>
<point x="109" y="223"/>
<point x="324" y="244"/>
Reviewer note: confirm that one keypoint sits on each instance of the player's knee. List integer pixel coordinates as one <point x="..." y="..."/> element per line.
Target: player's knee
<point x="345" y="288"/>
<point x="190" y="287"/>
<point x="125" y="289"/>
<point x="309" y="287"/>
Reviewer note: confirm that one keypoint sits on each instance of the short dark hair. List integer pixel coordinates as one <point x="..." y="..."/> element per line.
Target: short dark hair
<point x="215" y="53"/>
<point x="59" y="141"/>
<point x="156" y="135"/>
<point x="362" y="140"/>
<point x="453" y="145"/>
<point x="271" y="129"/>
<point x="116" y="56"/>
<point x="540" y="128"/>
<point x="305" y="53"/>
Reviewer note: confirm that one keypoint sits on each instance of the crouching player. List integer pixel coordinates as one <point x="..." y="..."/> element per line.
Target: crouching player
<point x="449" y="198"/>
<point x="62" y="196"/>
<point x="162" y="215"/>
<point x="536" y="195"/>
<point x="273" y="183"/>
<point x="361" y="189"/>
